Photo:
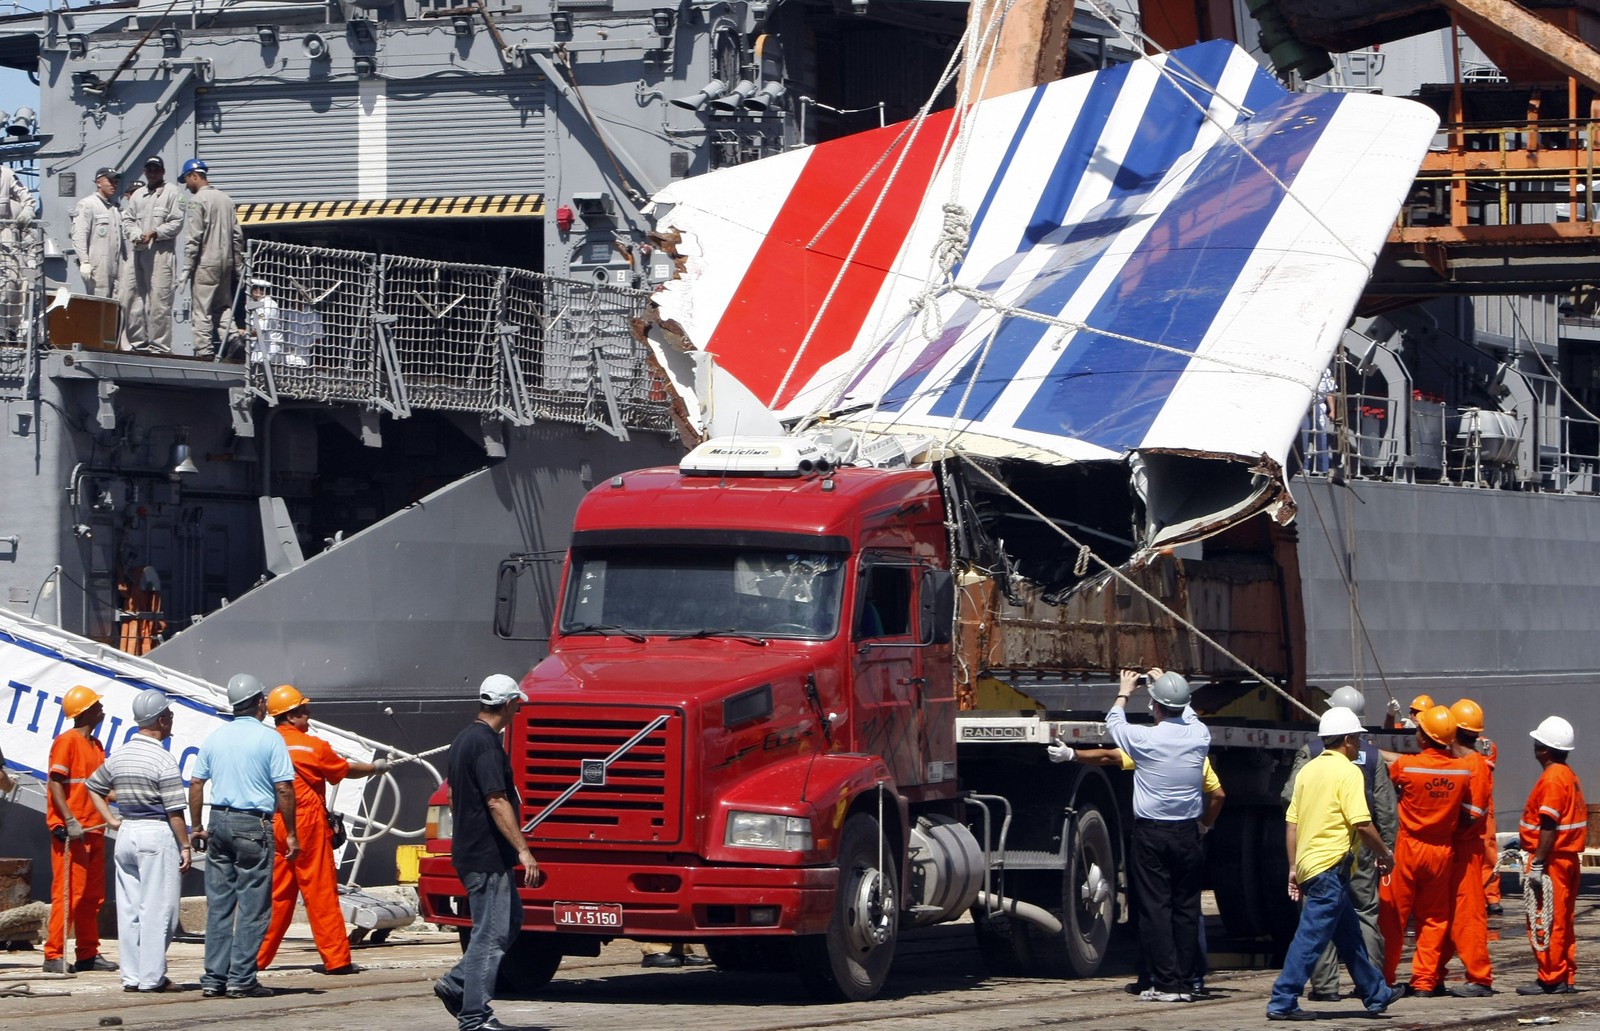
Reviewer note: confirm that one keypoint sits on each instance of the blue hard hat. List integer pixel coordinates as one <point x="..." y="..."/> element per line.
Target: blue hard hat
<point x="194" y="165"/>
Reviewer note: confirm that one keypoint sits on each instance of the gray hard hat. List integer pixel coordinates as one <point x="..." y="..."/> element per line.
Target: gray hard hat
<point x="1348" y="697"/>
<point x="242" y="688"/>
<point x="148" y="705"/>
<point x="1170" y="690"/>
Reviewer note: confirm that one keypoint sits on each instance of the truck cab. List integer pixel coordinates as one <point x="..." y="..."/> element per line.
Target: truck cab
<point x="745" y="719"/>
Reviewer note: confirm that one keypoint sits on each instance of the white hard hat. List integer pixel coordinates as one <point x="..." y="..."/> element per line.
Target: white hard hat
<point x="1339" y="721"/>
<point x="1170" y="690"/>
<point x="498" y="689"/>
<point x="1556" y="733"/>
<point x="1348" y="697"/>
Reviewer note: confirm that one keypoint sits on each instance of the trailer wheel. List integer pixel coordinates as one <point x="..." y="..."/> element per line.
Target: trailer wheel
<point x="851" y="959"/>
<point x="1090" y="893"/>
<point x="527" y="966"/>
<point x="751" y="955"/>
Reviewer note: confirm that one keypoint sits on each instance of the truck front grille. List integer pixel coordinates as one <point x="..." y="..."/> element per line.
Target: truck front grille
<point x="641" y="799"/>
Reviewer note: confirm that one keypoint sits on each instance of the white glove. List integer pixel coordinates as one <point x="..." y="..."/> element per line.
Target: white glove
<point x="1535" y="871"/>
<point x="1204" y="830"/>
<point x="74" y="829"/>
<point x="1394" y="706"/>
<point x="1061" y="752"/>
<point x="382" y="766"/>
<point x="86" y="269"/>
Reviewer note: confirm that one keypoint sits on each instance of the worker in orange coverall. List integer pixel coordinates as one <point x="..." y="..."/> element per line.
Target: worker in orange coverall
<point x="1433" y="794"/>
<point x="77" y="836"/>
<point x="1469" y="924"/>
<point x="1554" y="824"/>
<point x="313" y="873"/>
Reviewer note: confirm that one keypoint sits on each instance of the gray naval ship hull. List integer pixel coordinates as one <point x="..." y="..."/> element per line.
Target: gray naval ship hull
<point x="1458" y="592"/>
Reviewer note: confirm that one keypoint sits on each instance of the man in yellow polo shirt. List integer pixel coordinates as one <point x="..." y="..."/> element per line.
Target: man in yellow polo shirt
<point x="1326" y="815"/>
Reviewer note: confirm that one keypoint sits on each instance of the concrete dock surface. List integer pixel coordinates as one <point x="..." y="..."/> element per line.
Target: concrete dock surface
<point x="939" y="981"/>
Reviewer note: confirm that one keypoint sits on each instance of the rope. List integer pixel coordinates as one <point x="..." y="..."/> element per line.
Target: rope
<point x="1128" y="581"/>
<point x="1539" y="906"/>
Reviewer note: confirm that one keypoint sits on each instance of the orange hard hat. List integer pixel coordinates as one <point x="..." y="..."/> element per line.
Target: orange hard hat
<point x="284" y="698"/>
<point x="1421" y="703"/>
<point x="1438" y="724"/>
<point x="1469" y="715"/>
<point x="77" y="701"/>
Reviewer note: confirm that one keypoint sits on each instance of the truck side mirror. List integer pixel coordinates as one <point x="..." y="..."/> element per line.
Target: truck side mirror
<point x="505" y="600"/>
<point x="936" y="606"/>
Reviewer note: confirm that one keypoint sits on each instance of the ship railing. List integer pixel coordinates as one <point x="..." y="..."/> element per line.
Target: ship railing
<point x="402" y="333"/>
<point x="21" y="307"/>
<point x="1577" y="466"/>
<point x="1507" y="174"/>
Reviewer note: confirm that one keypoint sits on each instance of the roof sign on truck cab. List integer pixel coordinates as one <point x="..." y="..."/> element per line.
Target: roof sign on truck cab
<point x="756" y="456"/>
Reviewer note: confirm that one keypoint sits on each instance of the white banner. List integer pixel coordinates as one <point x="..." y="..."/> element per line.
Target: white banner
<point x="40" y="663"/>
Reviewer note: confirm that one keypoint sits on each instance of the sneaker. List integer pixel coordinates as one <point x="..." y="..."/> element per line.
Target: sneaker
<point x="1294" y="1014"/>
<point x="164" y="985"/>
<point x="130" y="987"/>
<point x="255" y="991"/>
<point x="1540" y="988"/>
<point x="348" y="968"/>
<point x="1325" y="997"/>
<point x="696" y="961"/>
<point x="452" y="1001"/>
<point x="1136" y="987"/>
<point x="1156" y="995"/>
<point x="1435" y="992"/>
<point x="1471" y="990"/>
<point x="1495" y="909"/>
<point x="94" y="964"/>
<point x="54" y="966"/>
<point x="493" y="1024"/>
<point x="212" y="993"/>
<point x="661" y="959"/>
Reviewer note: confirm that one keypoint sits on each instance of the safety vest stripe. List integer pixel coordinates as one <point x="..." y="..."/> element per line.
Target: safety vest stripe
<point x="1432" y="769"/>
<point x="1474" y="810"/>
<point x="1525" y="825"/>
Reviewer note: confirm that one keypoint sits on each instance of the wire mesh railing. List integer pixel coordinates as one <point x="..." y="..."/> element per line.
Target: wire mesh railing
<point x="404" y="333"/>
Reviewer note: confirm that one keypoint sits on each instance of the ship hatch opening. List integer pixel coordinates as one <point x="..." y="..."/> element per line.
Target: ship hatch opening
<point x="481" y="238"/>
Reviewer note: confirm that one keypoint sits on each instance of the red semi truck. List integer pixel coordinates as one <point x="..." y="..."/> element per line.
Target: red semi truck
<point x="778" y="718"/>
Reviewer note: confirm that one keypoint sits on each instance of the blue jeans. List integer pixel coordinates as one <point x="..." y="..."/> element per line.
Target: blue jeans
<point x="238" y="898"/>
<point x="1328" y="913"/>
<point x="496" y="920"/>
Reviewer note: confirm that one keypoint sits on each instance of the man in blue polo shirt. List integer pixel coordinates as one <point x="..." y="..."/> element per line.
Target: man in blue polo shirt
<point x="248" y="767"/>
<point x="1168" y="758"/>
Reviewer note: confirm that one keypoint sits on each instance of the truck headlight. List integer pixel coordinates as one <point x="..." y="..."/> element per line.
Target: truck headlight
<point x="769" y="830"/>
<point x="440" y="824"/>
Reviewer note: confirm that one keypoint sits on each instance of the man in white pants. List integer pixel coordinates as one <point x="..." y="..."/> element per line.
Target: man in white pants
<point x="152" y="842"/>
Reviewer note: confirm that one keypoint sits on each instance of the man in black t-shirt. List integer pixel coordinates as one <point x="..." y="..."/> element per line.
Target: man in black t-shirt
<point x="486" y="844"/>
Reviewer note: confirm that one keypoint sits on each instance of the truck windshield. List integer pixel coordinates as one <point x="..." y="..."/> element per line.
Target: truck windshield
<point x="685" y="590"/>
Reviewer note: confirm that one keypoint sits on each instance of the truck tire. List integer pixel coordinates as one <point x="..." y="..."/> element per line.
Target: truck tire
<point x="527" y="966"/>
<point x="850" y="961"/>
<point x="1089" y="904"/>
<point x="751" y="955"/>
<point x="1085" y="900"/>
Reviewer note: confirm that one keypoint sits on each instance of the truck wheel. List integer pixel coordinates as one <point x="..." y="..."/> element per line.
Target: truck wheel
<point x="851" y="960"/>
<point x="751" y="955"/>
<point x="1090" y="891"/>
<point x="527" y="966"/>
